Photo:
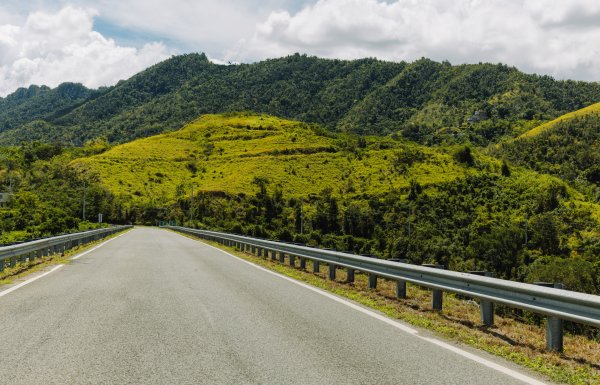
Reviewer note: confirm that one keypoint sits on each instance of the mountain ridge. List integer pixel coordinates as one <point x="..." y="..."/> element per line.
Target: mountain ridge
<point x="426" y="101"/>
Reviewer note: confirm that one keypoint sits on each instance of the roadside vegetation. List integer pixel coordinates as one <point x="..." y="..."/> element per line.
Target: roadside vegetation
<point x="46" y="194"/>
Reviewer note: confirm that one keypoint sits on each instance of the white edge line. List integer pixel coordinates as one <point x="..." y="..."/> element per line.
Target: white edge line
<point x="490" y="364"/>
<point x="20" y="285"/>
<point x="7" y="291"/>
<point x="96" y="247"/>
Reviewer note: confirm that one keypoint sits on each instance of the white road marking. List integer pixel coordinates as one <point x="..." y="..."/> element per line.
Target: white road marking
<point x="20" y="285"/>
<point x="7" y="291"/>
<point x="492" y="365"/>
<point x="97" y="246"/>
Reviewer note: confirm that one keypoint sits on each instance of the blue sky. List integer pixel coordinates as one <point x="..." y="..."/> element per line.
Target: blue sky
<point x="100" y="42"/>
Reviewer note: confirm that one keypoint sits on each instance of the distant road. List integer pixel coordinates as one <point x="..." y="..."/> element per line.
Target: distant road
<point x="154" y="307"/>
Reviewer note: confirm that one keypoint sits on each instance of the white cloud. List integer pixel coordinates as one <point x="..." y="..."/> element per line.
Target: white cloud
<point x="49" y="41"/>
<point x="51" y="48"/>
<point x="545" y="36"/>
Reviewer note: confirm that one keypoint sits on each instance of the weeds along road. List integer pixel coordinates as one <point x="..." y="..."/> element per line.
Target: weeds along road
<point x="154" y="307"/>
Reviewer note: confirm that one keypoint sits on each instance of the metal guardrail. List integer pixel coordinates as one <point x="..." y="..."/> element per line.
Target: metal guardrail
<point x="555" y="303"/>
<point x="42" y="247"/>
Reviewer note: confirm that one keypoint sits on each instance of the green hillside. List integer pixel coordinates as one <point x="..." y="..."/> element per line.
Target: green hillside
<point x="269" y="177"/>
<point x="582" y="113"/>
<point x="41" y="103"/>
<point x="225" y="153"/>
<point x="425" y="101"/>
<point x="568" y="147"/>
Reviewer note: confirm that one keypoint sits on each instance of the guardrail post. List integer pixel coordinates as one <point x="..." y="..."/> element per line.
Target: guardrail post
<point x="372" y="281"/>
<point x="302" y="263"/>
<point x="273" y="255"/>
<point x="400" y="284"/>
<point x="316" y="266"/>
<point x="281" y="257"/>
<point x="486" y="308"/>
<point x="253" y="249"/>
<point x="554" y="325"/>
<point x="331" y="272"/>
<point x="401" y="289"/>
<point x="349" y="275"/>
<point x="292" y="260"/>
<point x="437" y="295"/>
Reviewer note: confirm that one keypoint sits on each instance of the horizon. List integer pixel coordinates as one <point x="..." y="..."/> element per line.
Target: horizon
<point x="50" y="42"/>
<point x="275" y="58"/>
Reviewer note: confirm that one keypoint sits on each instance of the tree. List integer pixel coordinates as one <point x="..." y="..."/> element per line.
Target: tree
<point x="505" y="171"/>
<point x="465" y="156"/>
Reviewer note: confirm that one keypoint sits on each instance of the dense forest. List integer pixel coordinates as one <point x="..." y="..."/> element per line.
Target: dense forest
<point x="48" y="193"/>
<point x="425" y="101"/>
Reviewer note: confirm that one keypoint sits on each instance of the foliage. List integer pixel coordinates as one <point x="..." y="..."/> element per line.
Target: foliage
<point x="40" y="103"/>
<point x="48" y="193"/>
<point x="568" y="147"/>
<point x="425" y="101"/>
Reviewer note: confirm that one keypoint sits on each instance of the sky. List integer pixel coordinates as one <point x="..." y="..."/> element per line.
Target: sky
<point x="99" y="42"/>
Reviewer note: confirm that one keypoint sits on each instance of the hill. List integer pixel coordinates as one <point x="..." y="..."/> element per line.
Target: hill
<point x="582" y="113"/>
<point x="568" y="147"/>
<point x="41" y="103"/>
<point x="425" y="101"/>
<point x="225" y="153"/>
<point x="265" y="176"/>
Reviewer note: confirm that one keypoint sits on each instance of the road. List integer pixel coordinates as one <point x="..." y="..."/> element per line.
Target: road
<point x="154" y="307"/>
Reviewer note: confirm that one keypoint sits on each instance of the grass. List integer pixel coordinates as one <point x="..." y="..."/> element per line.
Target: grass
<point x="23" y="269"/>
<point x="225" y="153"/>
<point x="594" y="108"/>
<point x="519" y="342"/>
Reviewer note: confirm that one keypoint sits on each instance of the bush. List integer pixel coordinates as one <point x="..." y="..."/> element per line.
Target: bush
<point x="465" y="156"/>
<point x="575" y="274"/>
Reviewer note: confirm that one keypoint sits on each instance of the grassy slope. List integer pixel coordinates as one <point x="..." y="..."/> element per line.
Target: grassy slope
<point x="245" y="146"/>
<point x="594" y="108"/>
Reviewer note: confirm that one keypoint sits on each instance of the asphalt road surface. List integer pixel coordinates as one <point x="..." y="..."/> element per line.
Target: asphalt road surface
<point x="155" y="307"/>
